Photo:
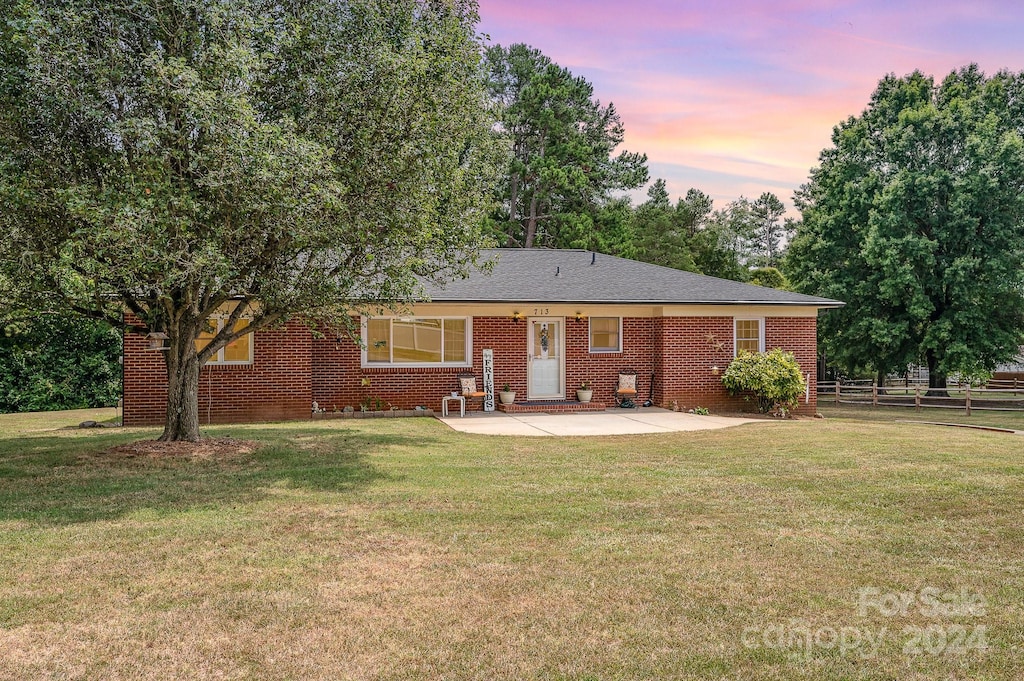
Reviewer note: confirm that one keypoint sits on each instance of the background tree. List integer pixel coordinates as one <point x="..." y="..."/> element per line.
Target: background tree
<point x="722" y="247"/>
<point x="611" y="231"/>
<point x="767" y="230"/>
<point x="299" y="159"/>
<point x="690" y="235"/>
<point x="769" y="277"/>
<point x="915" y="218"/>
<point x="659" y="233"/>
<point x="562" y="168"/>
<point x="59" y="362"/>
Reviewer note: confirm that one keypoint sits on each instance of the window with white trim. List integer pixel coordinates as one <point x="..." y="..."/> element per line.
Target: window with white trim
<point x="423" y="341"/>
<point x="238" y="351"/>
<point x="606" y="334"/>
<point x="749" y="335"/>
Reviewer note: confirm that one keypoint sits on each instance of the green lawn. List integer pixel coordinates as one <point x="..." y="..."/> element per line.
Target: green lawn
<point x="979" y="417"/>
<point x="397" y="549"/>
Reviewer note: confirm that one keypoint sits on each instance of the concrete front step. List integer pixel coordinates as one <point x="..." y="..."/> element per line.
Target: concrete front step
<point x="551" y="407"/>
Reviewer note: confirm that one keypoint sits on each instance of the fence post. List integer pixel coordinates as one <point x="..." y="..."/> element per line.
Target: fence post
<point x="917" y="398"/>
<point x="837" y="391"/>
<point x="967" y="401"/>
<point x="874" y="394"/>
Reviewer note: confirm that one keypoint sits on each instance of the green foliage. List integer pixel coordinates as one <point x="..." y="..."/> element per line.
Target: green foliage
<point x="689" y="235"/>
<point x="768" y="229"/>
<point x="769" y="277"/>
<point x="166" y="157"/>
<point x="773" y="378"/>
<point x="562" y="168"/>
<point x="56" y="362"/>
<point x="915" y="218"/>
<point x="661" y="231"/>
<point x="722" y="248"/>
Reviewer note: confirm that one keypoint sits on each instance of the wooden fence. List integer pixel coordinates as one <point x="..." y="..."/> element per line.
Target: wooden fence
<point x="995" y="396"/>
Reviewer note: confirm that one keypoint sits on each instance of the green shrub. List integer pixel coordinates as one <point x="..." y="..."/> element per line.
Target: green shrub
<point x="59" y="362"/>
<point x="773" y="378"/>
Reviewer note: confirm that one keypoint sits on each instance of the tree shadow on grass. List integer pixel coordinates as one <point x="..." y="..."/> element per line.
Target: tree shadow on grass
<point x="56" y="480"/>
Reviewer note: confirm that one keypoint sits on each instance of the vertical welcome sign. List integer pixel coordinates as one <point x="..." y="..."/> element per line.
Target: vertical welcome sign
<point x="489" y="379"/>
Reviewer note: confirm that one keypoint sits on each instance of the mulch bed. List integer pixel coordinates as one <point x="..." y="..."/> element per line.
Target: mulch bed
<point x="213" y="448"/>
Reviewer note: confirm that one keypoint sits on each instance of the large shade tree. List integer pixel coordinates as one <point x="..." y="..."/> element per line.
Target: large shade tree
<point x="563" y="167"/>
<point x="915" y="218"/>
<point x="263" y="159"/>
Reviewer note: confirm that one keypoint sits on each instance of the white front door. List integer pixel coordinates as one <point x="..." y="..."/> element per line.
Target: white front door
<point x="546" y="368"/>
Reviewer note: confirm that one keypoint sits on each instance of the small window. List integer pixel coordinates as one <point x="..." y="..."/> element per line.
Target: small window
<point x="749" y="335"/>
<point x="606" y="334"/>
<point x="238" y="351"/>
<point x="421" y="341"/>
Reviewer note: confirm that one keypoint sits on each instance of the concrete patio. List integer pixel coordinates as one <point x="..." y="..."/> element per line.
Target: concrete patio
<point x="611" y="422"/>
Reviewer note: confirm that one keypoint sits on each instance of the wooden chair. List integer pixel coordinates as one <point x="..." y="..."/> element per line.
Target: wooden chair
<point x="468" y="389"/>
<point x="626" y="390"/>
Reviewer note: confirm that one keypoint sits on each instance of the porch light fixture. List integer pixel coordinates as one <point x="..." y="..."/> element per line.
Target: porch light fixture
<point x="156" y="340"/>
<point x="580" y="317"/>
<point x="715" y="370"/>
<point x="517" y="316"/>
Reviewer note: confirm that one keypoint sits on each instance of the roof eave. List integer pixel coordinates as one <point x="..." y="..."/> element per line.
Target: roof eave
<point x="775" y="303"/>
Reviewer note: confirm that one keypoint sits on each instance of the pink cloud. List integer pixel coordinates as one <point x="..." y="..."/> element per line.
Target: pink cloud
<point x="746" y="91"/>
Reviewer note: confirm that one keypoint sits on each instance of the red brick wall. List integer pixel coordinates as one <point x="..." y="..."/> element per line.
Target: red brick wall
<point x="338" y="376"/>
<point x="602" y="369"/>
<point x="276" y="386"/>
<point x="691" y="346"/>
<point x="291" y="369"/>
<point x="798" y="335"/>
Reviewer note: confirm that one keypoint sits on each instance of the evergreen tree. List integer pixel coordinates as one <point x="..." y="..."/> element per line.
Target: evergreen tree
<point x="768" y="230"/>
<point x="563" y="168"/>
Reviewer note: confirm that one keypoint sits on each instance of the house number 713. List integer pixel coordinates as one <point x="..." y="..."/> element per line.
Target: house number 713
<point x="541" y="310"/>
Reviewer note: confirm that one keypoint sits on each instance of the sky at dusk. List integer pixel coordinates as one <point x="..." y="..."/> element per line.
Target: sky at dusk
<point x="738" y="98"/>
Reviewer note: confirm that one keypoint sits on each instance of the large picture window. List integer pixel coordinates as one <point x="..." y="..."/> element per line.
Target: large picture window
<point x="605" y="334"/>
<point x="238" y="351"/>
<point x="419" y="341"/>
<point x="749" y="335"/>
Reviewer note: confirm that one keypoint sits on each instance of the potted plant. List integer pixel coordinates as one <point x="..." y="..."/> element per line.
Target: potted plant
<point x="585" y="393"/>
<point x="506" y="394"/>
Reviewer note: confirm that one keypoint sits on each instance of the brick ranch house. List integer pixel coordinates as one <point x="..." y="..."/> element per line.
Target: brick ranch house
<point x="597" y="315"/>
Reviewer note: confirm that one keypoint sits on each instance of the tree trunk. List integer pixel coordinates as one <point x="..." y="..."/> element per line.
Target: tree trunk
<point x="880" y="381"/>
<point x="531" y="224"/>
<point x="513" y="213"/>
<point x="936" y="378"/>
<point x="182" y="392"/>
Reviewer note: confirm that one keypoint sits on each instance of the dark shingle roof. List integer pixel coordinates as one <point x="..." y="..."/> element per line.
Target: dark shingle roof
<point x="570" y="276"/>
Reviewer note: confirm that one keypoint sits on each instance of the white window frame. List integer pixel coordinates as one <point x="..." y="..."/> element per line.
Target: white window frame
<point x="760" y="333"/>
<point x="391" y="351"/>
<point x="218" y="359"/>
<point x="590" y="336"/>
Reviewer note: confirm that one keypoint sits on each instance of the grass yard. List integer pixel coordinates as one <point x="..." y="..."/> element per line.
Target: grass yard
<point x="397" y="549"/>
<point x="979" y="417"/>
